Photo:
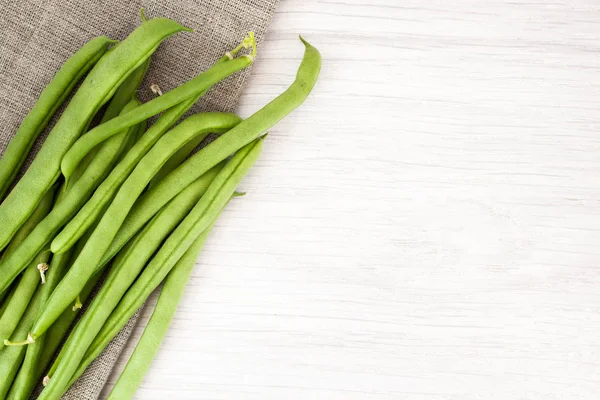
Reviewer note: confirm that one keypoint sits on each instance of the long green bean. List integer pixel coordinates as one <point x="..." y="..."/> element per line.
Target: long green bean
<point x="245" y="132"/>
<point x="26" y="378"/>
<point x="136" y="220"/>
<point x="50" y="99"/>
<point x="97" y="88"/>
<point x="29" y="376"/>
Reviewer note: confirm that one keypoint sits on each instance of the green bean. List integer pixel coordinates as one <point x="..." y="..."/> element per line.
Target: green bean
<point x="12" y="356"/>
<point x="81" y="190"/>
<point x="156" y="329"/>
<point x="93" y="208"/>
<point x="197" y="221"/>
<point x="23" y="292"/>
<point x="249" y="129"/>
<point x="131" y="260"/>
<point x="97" y="88"/>
<point x="192" y="88"/>
<point x="136" y="219"/>
<point x="87" y="262"/>
<point x="50" y="99"/>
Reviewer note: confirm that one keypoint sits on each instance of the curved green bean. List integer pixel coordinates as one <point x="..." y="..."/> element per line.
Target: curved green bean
<point x="192" y="88"/>
<point x="248" y="130"/>
<point x="36" y="356"/>
<point x="163" y="191"/>
<point x="50" y="99"/>
<point x="81" y="190"/>
<point x="156" y="329"/>
<point x="197" y="221"/>
<point x="97" y="88"/>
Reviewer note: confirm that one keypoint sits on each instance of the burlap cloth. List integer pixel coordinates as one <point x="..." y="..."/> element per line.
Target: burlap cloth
<point x="39" y="35"/>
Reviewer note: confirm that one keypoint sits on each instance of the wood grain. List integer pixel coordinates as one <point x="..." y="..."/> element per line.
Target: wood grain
<point x="426" y="226"/>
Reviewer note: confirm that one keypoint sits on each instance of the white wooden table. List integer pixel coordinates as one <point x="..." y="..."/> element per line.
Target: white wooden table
<point x="426" y="226"/>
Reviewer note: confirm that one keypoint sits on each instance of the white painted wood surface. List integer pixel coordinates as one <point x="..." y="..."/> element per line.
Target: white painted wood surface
<point x="426" y="226"/>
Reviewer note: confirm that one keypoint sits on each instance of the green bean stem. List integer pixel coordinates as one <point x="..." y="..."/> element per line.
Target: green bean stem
<point x="97" y="88"/>
<point x="24" y="292"/>
<point x="50" y="99"/>
<point x="197" y="221"/>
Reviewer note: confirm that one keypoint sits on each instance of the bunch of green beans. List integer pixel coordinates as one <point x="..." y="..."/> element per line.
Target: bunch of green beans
<point x="116" y="196"/>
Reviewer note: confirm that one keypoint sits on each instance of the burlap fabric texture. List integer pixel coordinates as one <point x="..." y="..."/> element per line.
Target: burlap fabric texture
<point x="39" y="35"/>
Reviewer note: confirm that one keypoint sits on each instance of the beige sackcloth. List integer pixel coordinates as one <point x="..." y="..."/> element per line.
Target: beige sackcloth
<point x="39" y="35"/>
